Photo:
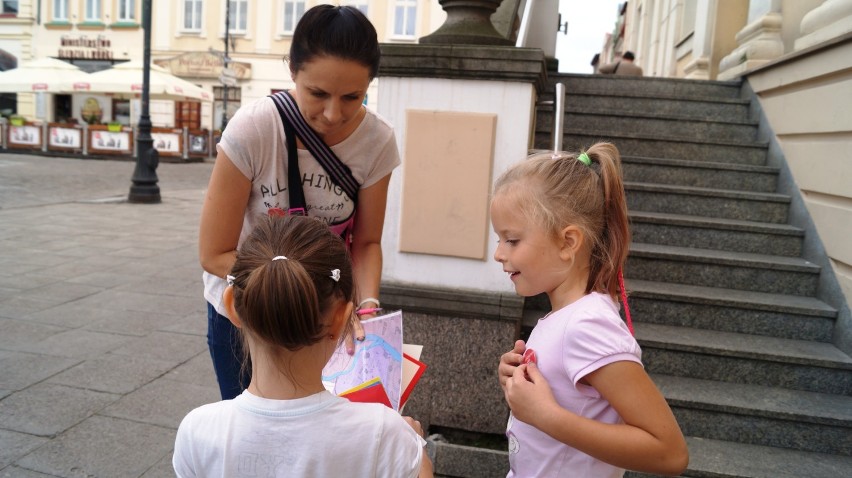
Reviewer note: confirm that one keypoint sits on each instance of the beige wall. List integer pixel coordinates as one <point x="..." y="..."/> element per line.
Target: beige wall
<point x="731" y="17"/>
<point x="807" y="102"/>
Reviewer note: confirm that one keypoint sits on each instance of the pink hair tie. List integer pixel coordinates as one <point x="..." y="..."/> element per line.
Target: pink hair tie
<point x="624" y="300"/>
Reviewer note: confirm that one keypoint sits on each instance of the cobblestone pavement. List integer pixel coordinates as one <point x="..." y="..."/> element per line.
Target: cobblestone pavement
<point x="102" y="319"/>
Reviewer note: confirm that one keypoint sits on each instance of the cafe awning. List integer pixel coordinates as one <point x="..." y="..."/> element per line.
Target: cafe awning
<point x="46" y="74"/>
<point x="125" y="79"/>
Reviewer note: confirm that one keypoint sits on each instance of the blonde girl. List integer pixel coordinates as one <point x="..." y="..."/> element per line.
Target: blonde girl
<point x="581" y="402"/>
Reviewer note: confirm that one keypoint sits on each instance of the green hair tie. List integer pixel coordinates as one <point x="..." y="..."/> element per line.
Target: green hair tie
<point x="585" y="159"/>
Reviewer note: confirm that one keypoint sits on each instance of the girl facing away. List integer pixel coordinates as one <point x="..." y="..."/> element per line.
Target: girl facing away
<point x="291" y="294"/>
<point x="581" y="402"/>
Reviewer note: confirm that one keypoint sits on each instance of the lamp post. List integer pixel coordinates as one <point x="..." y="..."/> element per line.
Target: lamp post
<point x="144" y="188"/>
<point x="225" y="61"/>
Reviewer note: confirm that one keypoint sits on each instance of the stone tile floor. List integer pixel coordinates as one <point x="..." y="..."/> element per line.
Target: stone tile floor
<point x="102" y="318"/>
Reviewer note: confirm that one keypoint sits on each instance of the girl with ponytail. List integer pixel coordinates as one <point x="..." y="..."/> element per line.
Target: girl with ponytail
<point x="581" y="402"/>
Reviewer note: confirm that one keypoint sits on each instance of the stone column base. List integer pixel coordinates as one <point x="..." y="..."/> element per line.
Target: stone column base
<point x="760" y="42"/>
<point x="830" y="20"/>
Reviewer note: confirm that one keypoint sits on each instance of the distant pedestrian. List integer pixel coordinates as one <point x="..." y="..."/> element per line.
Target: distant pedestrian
<point x="581" y="402"/>
<point x="291" y="294"/>
<point x="624" y="66"/>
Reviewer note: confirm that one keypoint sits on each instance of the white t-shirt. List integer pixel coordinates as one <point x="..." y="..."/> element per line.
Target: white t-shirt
<point x="255" y="142"/>
<point x="569" y="344"/>
<point x="317" y="436"/>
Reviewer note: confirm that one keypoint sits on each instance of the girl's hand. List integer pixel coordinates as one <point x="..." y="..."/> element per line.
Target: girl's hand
<point x="509" y="361"/>
<point x="415" y="425"/>
<point x="529" y="394"/>
<point x="357" y="332"/>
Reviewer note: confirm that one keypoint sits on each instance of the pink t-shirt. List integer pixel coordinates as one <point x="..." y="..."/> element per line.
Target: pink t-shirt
<point x="569" y="344"/>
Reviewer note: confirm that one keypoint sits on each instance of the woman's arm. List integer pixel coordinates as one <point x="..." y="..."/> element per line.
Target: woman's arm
<point x="367" y="238"/>
<point x="649" y="440"/>
<point x="222" y="216"/>
<point x="367" y="249"/>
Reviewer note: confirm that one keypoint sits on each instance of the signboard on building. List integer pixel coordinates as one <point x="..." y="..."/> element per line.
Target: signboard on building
<point x="85" y="48"/>
<point x="205" y="65"/>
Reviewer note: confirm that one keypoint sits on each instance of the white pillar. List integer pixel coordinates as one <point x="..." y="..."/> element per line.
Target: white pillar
<point x="830" y="20"/>
<point x="702" y="41"/>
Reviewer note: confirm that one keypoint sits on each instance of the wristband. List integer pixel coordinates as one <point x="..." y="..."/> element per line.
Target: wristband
<point x="372" y="310"/>
<point x="368" y="299"/>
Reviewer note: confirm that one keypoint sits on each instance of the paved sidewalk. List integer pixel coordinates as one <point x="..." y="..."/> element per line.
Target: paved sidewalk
<point x="102" y="319"/>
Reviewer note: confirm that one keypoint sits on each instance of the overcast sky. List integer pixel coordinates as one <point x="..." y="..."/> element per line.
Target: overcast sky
<point x="588" y="22"/>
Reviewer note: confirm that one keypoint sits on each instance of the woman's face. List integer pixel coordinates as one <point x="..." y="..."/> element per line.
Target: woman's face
<point x="329" y="92"/>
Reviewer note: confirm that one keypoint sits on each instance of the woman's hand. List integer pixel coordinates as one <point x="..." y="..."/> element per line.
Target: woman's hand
<point x="509" y="361"/>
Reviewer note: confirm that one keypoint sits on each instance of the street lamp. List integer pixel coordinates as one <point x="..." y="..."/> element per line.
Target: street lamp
<point x="144" y="188"/>
<point x="225" y="61"/>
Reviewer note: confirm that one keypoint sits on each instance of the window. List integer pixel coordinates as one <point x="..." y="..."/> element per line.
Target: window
<point x="404" y="17"/>
<point x="238" y="16"/>
<point x="93" y="10"/>
<point x="234" y="100"/>
<point x="359" y="4"/>
<point x="10" y="7"/>
<point x="293" y="11"/>
<point x="687" y="21"/>
<point x="188" y="114"/>
<point x="121" y="111"/>
<point x="60" y="10"/>
<point x="126" y="10"/>
<point x="192" y="15"/>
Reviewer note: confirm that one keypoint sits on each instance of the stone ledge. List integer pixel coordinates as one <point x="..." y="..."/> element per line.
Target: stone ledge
<point x="468" y="62"/>
<point x="452" y="302"/>
<point x="468" y="461"/>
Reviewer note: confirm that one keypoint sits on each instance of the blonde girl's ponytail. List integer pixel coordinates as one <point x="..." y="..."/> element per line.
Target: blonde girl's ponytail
<point x="613" y="244"/>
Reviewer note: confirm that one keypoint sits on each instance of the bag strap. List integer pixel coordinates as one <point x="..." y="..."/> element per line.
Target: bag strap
<point x="616" y="67"/>
<point x="298" y="205"/>
<point x="339" y="173"/>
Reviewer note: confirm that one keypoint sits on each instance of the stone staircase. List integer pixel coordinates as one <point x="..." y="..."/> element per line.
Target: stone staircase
<point x="725" y="306"/>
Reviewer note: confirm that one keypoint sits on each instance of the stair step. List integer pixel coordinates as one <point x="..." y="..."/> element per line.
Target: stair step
<point x="760" y="415"/>
<point x="658" y="146"/>
<point x="713" y="109"/>
<point x="650" y="124"/>
<point x="715" y="233"/>
<point x="717" y="203"/>
<point x="710" y="268"/>
<point x="740" y="177"/>
<point x="724" y="459"/>
<point x="730" y="310"/>
<point x="745" y="359"/>
<point x="622" y="85"/>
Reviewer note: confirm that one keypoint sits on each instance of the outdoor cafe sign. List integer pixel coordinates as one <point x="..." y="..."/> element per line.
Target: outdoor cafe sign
<point x="85" y="48"/>
<point x="204" y="65"/>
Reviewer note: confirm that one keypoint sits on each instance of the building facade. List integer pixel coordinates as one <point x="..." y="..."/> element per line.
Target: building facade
<point x="189" y="41"/>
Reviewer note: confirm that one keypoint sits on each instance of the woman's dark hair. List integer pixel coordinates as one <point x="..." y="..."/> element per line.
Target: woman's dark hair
<point x="285" y="302"/>
<point x="339" y="31"/>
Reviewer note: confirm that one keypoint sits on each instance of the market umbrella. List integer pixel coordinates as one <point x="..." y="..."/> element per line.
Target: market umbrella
<point x="46" y="74"/>
<point x="125" y="79"/>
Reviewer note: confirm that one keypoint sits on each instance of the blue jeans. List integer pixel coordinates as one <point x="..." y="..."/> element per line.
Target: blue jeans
<point x="226" y="350"/>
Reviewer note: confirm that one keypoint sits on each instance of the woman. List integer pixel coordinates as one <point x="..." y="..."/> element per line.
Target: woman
<point x="333" y="58"/>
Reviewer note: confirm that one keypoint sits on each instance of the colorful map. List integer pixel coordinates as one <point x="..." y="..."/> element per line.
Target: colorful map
<point x="379" y="355"/>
